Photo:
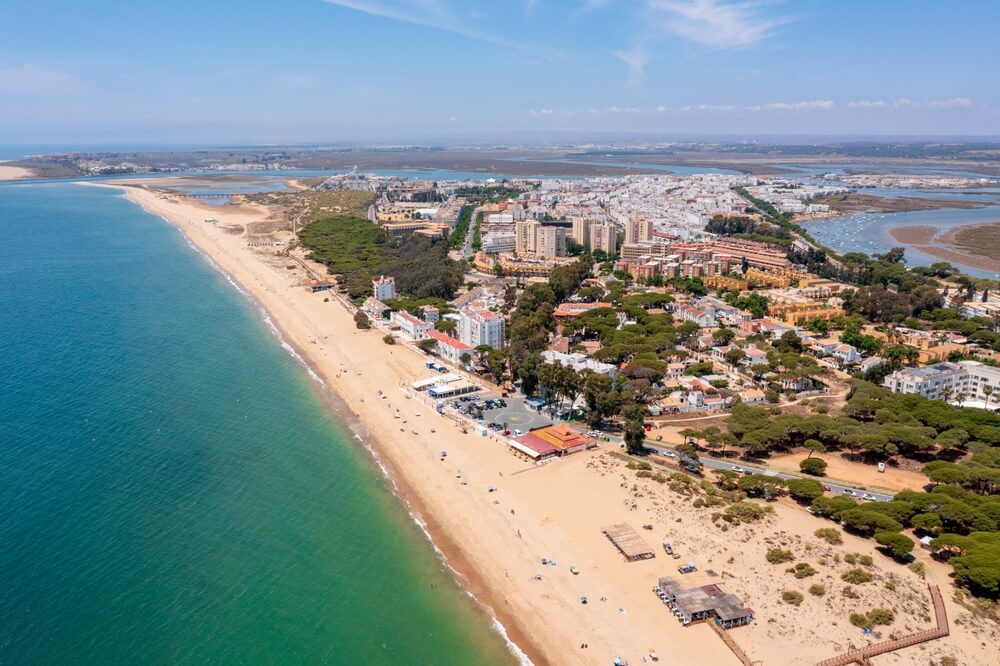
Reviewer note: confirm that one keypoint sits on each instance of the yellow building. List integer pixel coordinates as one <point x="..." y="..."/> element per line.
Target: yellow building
<point x="725" y="282"/>
<point x="519" y="266"/>
<point x="776" y="277"/>
<point x="794" y="314"/>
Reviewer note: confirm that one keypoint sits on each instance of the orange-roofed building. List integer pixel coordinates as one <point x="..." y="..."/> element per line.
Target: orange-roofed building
<point x="566" y="310"/>
<point x="556" y="440"/>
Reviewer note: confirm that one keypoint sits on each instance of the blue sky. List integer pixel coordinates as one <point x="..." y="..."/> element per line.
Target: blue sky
<point x="342" y="70"/>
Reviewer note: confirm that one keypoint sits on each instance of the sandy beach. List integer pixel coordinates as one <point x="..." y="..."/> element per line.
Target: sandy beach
<point x="14" y="172"/>
<point x="495" y="540"/>
<point x="960" y="245"/>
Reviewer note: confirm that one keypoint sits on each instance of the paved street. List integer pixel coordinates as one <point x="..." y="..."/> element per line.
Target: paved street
<point x="835" y="488"/>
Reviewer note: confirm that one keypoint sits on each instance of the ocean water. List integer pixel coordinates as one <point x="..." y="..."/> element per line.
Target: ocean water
<point x="171" y="488"/>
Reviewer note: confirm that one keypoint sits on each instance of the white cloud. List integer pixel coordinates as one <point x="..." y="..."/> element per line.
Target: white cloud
<point x="797" y="106"/>
<point x="950" y="103"/>
<point x="904" y="101"/>
<point x="540" y="112"/>
<point x="867" y="104"/>
<point x="636" y="59"/>
<point x="718" y="24"/>
<point x="434" y="14"/>
<point x="34" y="80"/>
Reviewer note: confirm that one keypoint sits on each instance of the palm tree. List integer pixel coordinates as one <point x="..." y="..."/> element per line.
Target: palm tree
<point x="988" y="391"/>
<point x="946" y="394"/>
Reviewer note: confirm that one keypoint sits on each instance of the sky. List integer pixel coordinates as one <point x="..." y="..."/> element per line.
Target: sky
<point x="258" y="71"/>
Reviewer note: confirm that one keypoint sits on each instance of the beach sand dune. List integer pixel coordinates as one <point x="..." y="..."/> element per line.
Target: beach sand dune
<point x="14" y="172"/>
<point x="496" y="540"/>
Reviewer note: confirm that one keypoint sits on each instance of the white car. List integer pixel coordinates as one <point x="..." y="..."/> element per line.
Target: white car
<point x="738" y="469"/>
<point x="670" y="454"/>
<point x="869" y="497"/>
<point x="848" y="491"/>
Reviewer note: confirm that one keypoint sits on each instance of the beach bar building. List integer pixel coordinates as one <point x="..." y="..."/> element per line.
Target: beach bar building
<point x="551" y="441"/>
<point x="424" y="384"/>
<point x="628" y="542"/>
<point x="707" y="602"/>
<point x="451" y="390"/>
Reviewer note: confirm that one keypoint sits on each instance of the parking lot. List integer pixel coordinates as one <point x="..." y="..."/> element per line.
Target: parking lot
<point x="515" y="414"/>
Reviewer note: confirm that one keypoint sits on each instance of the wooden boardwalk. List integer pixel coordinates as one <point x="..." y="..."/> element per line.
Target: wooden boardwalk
<point x="731" y="644"/>
<point x="862" y="655"/>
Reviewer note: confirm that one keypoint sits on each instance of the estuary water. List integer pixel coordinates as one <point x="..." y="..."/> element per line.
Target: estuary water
<point x="172" y="488"/>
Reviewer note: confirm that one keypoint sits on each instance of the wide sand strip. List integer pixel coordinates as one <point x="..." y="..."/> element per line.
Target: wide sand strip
<point x="14" y="172"/>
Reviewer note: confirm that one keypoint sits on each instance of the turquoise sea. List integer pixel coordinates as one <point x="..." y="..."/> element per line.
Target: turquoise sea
<point x="172" y="489"/>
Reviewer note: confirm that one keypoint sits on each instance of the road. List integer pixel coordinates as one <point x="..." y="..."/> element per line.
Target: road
<point x="717" y="463"/>
<point x="469" y="233"/>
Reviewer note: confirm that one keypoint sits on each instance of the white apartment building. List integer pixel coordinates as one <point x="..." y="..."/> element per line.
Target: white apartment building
<point x="531" y="238"/>
<point x="965" y="379"/>
<point x="638" y="230"/>
<point x="384" y="288"/>
<point x="481" y="327"/>
<point x="550" y="242"/>
<point x="526" y="236"/>
<point x="581" y="231"/>
<point x="450" y="348"/>
<point x="604" y="236"/>
<point x="495" y="243"/>
<point x="415" y="329"/>
<point x="505" y="219"/>
<point x="579" y="362"/>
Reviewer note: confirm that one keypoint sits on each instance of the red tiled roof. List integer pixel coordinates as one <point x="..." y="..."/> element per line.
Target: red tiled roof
<point x="537" y="444"/>
<point x="448" y="340"/>
<point x="410" y="318"/>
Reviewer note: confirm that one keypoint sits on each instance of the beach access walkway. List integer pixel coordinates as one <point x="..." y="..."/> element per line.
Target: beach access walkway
<point x="862" y="655"/>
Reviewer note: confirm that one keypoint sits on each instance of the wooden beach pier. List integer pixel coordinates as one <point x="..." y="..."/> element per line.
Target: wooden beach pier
<point x="862" y="655"/>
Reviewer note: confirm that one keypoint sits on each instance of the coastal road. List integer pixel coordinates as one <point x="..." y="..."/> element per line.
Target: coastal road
<point x="835" y="488"/>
